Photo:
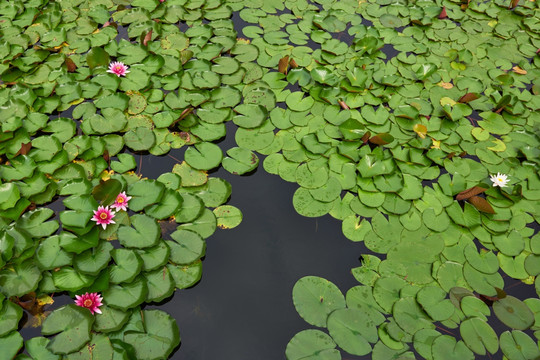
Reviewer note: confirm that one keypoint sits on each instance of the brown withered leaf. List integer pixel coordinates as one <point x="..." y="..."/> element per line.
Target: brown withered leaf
<point x="25" y="148"/>
<point x="106" y="156"/>
<point x="465" y="194"/>
<point x="293" y="64"/>
<point x="443" y="14"/>
<point x="366" y="137"/>
<point x="283" y="65"/>
<point x="481" y="204"/>
<point x="513" y="4"/>
<point x="381" y="139"/>
<point x="468" y="98"/>
<point x="343" y="105"/>
<point x="147" y="38"/>
<point x="71" y="67"/>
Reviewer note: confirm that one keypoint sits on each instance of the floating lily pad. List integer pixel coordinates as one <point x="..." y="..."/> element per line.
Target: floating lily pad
<point x="351" y="331"/>
<point x="513" y="313"/>
<point x="157" y="339"/>
<point x="72" y="324"/>
<point x="313" y="344"/>
<point x="315" y="298"/>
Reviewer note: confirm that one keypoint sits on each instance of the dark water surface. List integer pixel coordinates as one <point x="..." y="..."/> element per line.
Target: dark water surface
<point x="242" y="308"/>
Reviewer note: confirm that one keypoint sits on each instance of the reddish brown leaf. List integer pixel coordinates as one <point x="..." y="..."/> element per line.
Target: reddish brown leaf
<point x="71" y="67"/>
<point x="106" y="156"/>
<point x="25" y="148"/>
<point x="481" y="204"/>
<point x="283" y="65"/>
<point x="293" y="64"/>
<point x="366" y="137"/>
<point x="106" y="24"/>
<point x="147" y="37"/>
<point x="343" y="105"/>
<point x="468" y="97"/>
<point x="381" y="139"/>
<point x="465" y="194"/>
<point x="513" y="4"/>
<point x="443" y="15"/>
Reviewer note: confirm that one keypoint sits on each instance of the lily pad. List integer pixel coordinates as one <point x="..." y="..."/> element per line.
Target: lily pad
<point x="72" y="324"/>
<point x="315" y="298"/>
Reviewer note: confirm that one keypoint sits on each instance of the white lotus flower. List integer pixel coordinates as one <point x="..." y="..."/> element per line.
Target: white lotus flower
<point x="499" y="179"/>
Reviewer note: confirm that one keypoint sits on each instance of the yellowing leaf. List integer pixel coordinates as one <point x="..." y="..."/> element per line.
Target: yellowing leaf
<point x="447" y="101"/>
<point x="445" y="85"/>
<point x="45" y="300"/>
<point x="420" y="130"/>
<point x="480" y="134"/>
<point x="519" y="70"/>
<point x="243" y="41"/>
<point x="499" y="146"/>
<point x="436" y="144"/>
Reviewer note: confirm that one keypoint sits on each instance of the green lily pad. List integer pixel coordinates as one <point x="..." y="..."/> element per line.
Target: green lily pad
<point x="10" y="315"/>
<point x="186" y="276"/>
<point x="72" y="324"/>
<point x="312" y="344"/>
<point x="127" y="265"/>
<point x="518" y="345"/>
<point x="37" y="348"/>
<point x="158" y="338"/>
<point x="99" y="347"/>
<point x="144" y="233"/>
<point x="351" y="331"/>
<point x="513" y="313"/>
<point x="228" y="216"/>
<point x="447" y="348"/>
<point x="240" y="161"/>
<point x="110" y="319"/>
<point x="187" y="247"/>
<point x="204" y="156"/>
<point x="126" y="296"/>
<point x="20" y="279"/>
<point x="479" y="336"/>
<point x="11" y="344"/>
<point x="315" y="298"/>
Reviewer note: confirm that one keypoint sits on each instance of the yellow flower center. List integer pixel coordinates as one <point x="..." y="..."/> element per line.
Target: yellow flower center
<point x="118" y="68"/>
<point x="88" y="302"/>
<point x="500" y="179"/>
<point x="103" y="216"/>
<point x="120" y="200"/>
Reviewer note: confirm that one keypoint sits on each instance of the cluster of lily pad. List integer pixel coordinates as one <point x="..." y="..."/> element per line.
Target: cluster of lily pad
<point x="400" y="150"/>
<point x="63" y="56"/>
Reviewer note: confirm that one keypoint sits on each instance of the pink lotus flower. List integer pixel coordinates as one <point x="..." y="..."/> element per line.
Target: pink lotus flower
<point x="118" y="68"/>
<point x="121" y="201"/>
<point x="103" y="216"/>
<point x="90" y="301"/>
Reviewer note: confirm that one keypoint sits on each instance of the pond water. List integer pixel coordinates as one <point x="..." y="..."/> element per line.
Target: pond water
<point x="242" y="308"/>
